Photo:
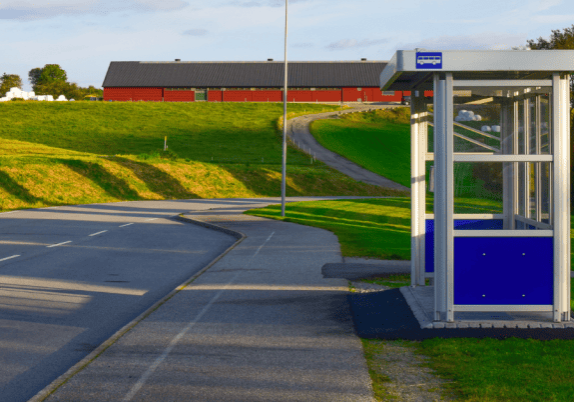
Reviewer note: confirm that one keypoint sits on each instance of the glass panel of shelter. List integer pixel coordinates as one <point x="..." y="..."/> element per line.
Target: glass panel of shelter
<point x="478" y="129"/>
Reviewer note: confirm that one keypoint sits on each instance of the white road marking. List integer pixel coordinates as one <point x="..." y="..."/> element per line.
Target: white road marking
<point x="152" y="219"/>
<point x="174" y="341"/>
<point x="103" y="231"/>
<point x="127" y="224"/>
<point x="9" y="258"/>
<point x="59" y="244"/>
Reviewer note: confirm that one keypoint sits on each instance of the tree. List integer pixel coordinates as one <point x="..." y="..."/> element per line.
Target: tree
<point x="52" y="73"/>
<point x="52" y="80"/>
<point x="558" y="40"/>
<point x="70" y="90"/>
<point x="8" y="81"/>
<point x="34" y="76"/>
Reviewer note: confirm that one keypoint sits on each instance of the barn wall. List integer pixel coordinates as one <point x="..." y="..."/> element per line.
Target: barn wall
<point x="118" y="94"/>
<point x="215" y="96"/>
<point x="133" y="94"/>
<point x="179" y="96"/>
<point x="367" y="94"/>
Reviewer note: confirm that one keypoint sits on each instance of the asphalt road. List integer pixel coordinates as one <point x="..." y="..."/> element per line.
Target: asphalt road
<point x="70" y="277"/>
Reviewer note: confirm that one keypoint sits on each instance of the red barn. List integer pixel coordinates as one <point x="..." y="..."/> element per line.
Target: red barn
<point x="310" y="81"/>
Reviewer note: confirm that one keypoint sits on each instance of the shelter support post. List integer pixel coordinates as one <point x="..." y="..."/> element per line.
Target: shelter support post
<point x="444" y="196"/>
<point x="560" y="130"/>
<point x="507" y="125"/>
<point x="418" y="187"/>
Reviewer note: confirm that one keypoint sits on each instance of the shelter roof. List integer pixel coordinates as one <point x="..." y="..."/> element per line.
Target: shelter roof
<point x="409" y="69"/>
<point x="243" y="74"/>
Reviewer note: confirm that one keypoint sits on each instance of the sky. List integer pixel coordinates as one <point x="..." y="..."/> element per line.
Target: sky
<point x="84" y="36"/>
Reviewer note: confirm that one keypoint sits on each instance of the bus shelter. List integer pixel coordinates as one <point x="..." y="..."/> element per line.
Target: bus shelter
<point x="493" y="234"/>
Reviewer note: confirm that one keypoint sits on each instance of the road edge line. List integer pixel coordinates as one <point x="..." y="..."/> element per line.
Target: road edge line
<point x="82" y="364"/>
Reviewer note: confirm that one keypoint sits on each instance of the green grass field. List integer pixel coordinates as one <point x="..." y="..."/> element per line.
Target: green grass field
<point x="62" y="153"/>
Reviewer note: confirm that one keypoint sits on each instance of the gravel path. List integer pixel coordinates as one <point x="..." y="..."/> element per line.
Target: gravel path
<point x="300" y="134"/>
<point x="410" y="379"/>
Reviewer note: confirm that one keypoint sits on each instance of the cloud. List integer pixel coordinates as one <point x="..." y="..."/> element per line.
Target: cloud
<point x="303" y="45"/>
<point x="553" y="19"/>
<point x="196" y="32"/>
<point x="482" y="41"/>
<point x="541" y="5"/>
<point x="28" y="10"/>
<point x="353" y="43"/>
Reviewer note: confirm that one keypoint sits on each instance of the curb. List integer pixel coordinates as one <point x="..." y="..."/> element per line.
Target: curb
<point x="237" y="235"/>
<point x="416" y="308"/>
<point x="76" y="368"/>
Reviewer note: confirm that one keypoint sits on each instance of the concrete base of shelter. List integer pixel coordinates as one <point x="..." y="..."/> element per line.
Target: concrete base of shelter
<point x="421" y="301"/>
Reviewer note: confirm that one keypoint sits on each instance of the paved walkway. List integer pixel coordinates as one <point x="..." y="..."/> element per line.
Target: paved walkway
<point x="261" y="324"/>
<point x="300" y="134"/>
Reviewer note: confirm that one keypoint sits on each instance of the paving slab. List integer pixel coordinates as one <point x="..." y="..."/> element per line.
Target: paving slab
<point x="262" y="324"/>
<point x="361" y="271"/>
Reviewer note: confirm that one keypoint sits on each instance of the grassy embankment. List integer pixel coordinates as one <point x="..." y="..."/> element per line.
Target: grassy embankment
<point x="85" y="152"/>
<point x="481" y="369"/>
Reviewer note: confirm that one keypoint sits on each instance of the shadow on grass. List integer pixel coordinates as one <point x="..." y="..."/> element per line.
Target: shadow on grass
<point x="361" y="232"/>
<point x="317" y="181"/>
<point x="111" y="184"/>
<point x="156" y="179"/>
<point x="17" y="190"/>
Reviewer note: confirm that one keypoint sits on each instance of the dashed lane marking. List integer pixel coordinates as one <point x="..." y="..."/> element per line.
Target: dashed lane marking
<point x="9" y="258"/>
<point x="94" y="234"/>
<point x="127" y="224"/>
<point x="59" y="244"/>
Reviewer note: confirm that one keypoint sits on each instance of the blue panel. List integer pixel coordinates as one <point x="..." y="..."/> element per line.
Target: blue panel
<point x="459" y="224"/>
<point x="429" y="245"/>
<point x="503" y="270"/>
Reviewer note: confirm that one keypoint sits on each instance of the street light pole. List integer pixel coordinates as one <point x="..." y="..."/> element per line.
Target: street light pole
<point x="284" y="165"/>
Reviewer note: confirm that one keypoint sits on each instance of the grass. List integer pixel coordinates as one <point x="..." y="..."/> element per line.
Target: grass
<point x="372" y="228"/>
<point x="392" y="281"/>
<point x="227" y="132"/>
<point x="85" y="152"/>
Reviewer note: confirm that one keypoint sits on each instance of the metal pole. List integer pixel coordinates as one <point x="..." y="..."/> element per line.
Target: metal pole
<point x="284" y="167"/>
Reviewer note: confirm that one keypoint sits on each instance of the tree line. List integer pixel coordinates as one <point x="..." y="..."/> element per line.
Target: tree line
<point x="49" y="80"/>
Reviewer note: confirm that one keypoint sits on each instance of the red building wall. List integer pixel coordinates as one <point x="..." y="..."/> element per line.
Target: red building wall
<point x="179" y="96"/>
<point x="267" y="96"/>
<point x="133" y="94"/>
<point x="215" y="96"/>
<point x="367" y="94"/>
<point x="237" y="96"/>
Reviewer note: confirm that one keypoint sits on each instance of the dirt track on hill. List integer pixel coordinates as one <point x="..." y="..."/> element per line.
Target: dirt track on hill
<point x="298" y="130"/>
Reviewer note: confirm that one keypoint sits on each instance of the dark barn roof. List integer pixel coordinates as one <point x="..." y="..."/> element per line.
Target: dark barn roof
<point x="243" y="74"/>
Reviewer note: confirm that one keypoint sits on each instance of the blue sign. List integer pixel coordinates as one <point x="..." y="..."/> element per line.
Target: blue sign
<point x="429" y="60"/>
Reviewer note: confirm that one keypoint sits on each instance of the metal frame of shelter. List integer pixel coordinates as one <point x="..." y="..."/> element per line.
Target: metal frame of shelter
<point x="517" y="261"/>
